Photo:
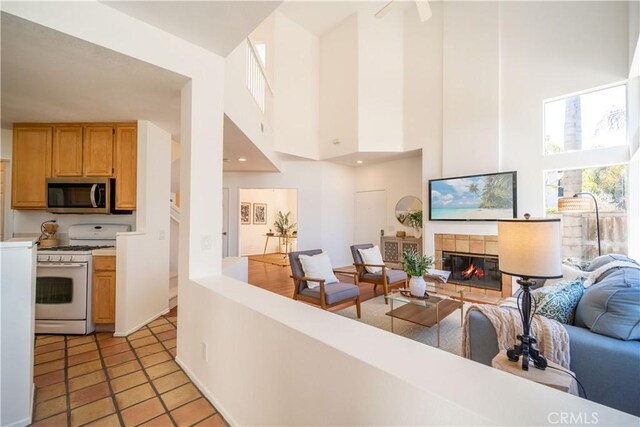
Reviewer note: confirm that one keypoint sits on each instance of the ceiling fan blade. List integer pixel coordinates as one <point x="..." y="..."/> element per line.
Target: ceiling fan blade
<point x="386" y="9"/>
<point x="424" y="9"/>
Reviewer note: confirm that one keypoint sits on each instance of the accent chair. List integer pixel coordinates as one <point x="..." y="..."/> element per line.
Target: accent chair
<point x="388" y="277"/>
<point x="325" y="295"/>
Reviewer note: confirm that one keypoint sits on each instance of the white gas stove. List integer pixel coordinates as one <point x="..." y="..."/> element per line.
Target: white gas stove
<point x="63" y="284"/>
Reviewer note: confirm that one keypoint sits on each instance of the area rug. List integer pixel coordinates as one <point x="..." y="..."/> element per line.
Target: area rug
<point x="275" y="259"/>
<point x="373" y="313"/>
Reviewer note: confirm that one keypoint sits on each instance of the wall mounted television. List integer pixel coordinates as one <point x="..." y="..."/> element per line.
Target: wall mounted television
<point x="486" y="197"/>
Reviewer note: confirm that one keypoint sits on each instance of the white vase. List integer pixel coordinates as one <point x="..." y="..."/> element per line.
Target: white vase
<point x="417" y="286"/>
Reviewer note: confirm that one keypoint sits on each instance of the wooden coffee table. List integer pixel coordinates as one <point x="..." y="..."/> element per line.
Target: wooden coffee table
<point x="426" y="312"/>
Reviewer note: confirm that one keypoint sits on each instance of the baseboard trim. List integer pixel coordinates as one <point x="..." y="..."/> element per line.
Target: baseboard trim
<point x="20" y="423"/>
<point x="225" y="414"/>
<point x="135" y="328"/>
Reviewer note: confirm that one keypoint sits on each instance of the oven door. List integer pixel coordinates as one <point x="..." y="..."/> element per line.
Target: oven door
<point x="61" y="291"/>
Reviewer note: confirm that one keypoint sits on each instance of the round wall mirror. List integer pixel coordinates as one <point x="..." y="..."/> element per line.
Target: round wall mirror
<point x="406" y="205"/>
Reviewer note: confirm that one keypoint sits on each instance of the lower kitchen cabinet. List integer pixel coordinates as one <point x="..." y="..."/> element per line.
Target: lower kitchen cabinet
<point x="104" y="289"/>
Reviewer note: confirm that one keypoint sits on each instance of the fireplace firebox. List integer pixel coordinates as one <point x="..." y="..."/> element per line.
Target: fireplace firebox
<point x="475" y="270"/>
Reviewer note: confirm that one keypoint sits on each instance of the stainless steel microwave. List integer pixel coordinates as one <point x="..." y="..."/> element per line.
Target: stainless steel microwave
<point x="79" y="195"/>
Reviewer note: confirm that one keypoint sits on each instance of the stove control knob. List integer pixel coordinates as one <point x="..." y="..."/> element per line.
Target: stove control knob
<point x="43" y="257"/>
<point x="65" y="258"/>
<point x="54" y="258"/>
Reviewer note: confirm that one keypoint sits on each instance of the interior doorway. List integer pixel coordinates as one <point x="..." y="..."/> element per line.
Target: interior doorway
<point x="268" y="221"/>
<point x="225" y="222"/>
<point x="371" y="208"/>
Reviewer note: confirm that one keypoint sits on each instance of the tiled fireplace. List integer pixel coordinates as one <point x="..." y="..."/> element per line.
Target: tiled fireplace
<point x="473" y="261"/>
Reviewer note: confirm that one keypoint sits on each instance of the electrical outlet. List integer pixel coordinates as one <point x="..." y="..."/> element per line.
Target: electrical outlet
<point x="205" y="355"/>
<point x="161" y="235"/>
<point x="205" y="242"/>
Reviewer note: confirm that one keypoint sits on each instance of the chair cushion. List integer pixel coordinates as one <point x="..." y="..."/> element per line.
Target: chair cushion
<point x="372" y="256"/>
<point x="334" y="292"/>
<point x="318" y="267"/>
<point x="296" y="266"/>
<point x="559" y="301"/>
<point x="393" y="276"/>
<point x="357" y="259"/>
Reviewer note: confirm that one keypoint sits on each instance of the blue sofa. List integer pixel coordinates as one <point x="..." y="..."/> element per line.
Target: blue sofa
<point x="607" y="366"/>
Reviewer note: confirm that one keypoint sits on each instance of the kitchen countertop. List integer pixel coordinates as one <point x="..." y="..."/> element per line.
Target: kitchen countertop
<point x="19" y="242"/>
<point x="104" y="252"/>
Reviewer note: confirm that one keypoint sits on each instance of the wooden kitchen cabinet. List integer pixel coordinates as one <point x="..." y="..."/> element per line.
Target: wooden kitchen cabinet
<point x="67" y="151"/>
<point x="98" y="151"/>
<point x="31" y="166"/>
<point x="104" y="289"/>
<point x="126" y="159"/>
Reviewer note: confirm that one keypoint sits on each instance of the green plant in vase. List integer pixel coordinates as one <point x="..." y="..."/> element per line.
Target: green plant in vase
<point x="416" y="266"/>
<point x="414" y="220"/>
<point x="282" y="224"/>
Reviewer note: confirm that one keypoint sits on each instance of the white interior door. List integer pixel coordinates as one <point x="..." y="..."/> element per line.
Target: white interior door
<point x="225" y="222"/>
<point x="371" y="213"/>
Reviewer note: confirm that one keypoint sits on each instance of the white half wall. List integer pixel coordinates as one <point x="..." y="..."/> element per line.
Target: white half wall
<point x="142" y="261"/>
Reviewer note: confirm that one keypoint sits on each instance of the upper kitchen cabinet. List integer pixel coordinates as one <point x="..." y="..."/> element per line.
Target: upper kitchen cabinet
<point x="31" y="166"/>
<point x="67" y="151"/>
<point x="98" y="151"/>
<point x="126" y="152"/>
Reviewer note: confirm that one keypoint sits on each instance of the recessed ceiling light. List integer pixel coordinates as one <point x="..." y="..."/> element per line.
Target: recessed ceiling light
<point x="242" y="159"/>
<point x="359" y="162"/>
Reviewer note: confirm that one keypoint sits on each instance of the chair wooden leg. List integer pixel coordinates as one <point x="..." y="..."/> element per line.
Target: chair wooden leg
<point x="374" y="289"/>
<point x="386" y="291"/>
<point x="358" y="306"/>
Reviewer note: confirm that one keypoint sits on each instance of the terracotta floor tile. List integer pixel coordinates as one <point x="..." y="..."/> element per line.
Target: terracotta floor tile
<point x="149" y="349"/>
<point x="50" y="407"/>
<point x="92" y="411"/>
<point x="168" y="335"/>
<point x="143" y="341"/>
<point x="134" y="395"/>
<point x="103" y="335"/>
<point x="173" y="352"/>
<point x="163" y="328"/>
<point x="115" y="349"/>
<point x="86" y="380"/>
<point x="87" y="356"/>
<point x="49" y="347"/>
<point x="161" y="421"/>
<point x="144" y="332"/>
<point x="48" y="339"/>
<point x="108" y="342"/>
<point x="83" y="368"/>
<point x="156" y="358"/>
<point x="50" y="391"/>
<point x="55" y="421"/>
<point x="119" y="358"/>
<point x="179" y="396"/>
<point x="142" y="412"/>
<point x="50" y="378"/>
<point x="48" y="357"/>
<point x="123" y="369"/>
<point x="193" y="412"/>
<point x="170" y="343"/>
<point x="162" y="369"/>
<point x="172" y="319"/>
<point x="171" y="381"/>
<point x="76" y="341"/>
<point x="127" y="381"/>
<point x="159" y="321"/>
<point x="89" y="394"/>
<point x="81" y="348"/>
<point x="45" y="368"/>
<point x="213" y="421"/>
<point x="109" y="421"/>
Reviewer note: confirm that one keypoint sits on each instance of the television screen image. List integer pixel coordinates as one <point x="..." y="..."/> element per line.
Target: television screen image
<point x="473" y="198"/>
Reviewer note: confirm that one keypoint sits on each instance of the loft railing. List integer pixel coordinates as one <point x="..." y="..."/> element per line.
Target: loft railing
<point x="257" y="81"/>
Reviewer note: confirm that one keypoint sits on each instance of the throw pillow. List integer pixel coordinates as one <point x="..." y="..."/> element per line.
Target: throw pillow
<point x="569" y="272"/>
<point x="318" y="267"/>
<point x="559" y="301"/>
<point x="372" y="256"/>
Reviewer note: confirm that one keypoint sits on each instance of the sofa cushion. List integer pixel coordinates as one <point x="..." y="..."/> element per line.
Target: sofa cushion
<point x="372" y="256"/>
<point x="334" y="292"/>
<point x="318" y="267"/>
<point x="559" y="301"/>
<point x="611" y="306"/>
<point x="393" y="276"/>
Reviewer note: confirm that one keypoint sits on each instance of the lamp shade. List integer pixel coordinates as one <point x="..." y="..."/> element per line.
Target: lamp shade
<point x="575" y="204"/>
<point x="530" y="248"/>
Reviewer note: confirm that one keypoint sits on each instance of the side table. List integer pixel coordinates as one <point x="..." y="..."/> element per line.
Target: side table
<point x="554" y="376"/>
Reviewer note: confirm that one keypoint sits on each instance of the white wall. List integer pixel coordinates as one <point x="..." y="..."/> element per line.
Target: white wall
<point x="17" y="315"/>
<point x="399" y="178"/>
<point x="252" y="236"/>
<point x="296" y="58"/>
<point x="142" y="270"/>
<point x="339" y="89"/>
<point x="323" y="192"/>
<point x="380" y="85"/>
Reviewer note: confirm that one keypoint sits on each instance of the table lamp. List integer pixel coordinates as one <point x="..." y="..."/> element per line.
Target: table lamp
<point x="577" y="204"/>
<point x="530" y="249"/>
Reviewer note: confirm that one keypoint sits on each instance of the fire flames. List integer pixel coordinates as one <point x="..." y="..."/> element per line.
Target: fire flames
<point x="472" y="271"/>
